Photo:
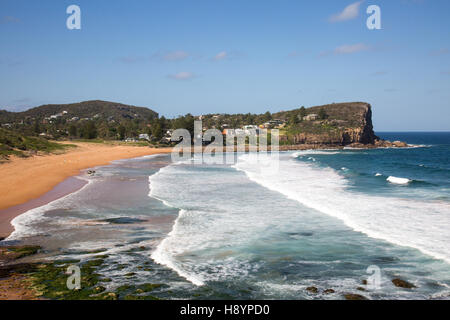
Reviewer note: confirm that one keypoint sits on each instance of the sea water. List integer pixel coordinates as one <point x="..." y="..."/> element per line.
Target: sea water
<point x="323" y="219"/>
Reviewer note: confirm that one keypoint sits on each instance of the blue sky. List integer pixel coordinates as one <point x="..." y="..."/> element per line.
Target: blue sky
<point x="220" y="56"/>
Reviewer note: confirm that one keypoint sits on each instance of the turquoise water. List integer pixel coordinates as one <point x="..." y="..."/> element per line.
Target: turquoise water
<point x="244" y="231"/>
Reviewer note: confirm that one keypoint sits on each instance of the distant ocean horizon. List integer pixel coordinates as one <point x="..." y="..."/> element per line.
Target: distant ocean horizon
<point x="239" y="232"/>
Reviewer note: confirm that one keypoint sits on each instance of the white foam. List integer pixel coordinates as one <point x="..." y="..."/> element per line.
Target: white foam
<point x="168" y="248"/>
<point x="312" y="152"/>
<point x="24" y="223"/>
<point x="214" y="220"/>
<point x="418" y="224"/>
<point x="378" y="174"/>
<point x="397" y="180"/>
<point x="165" y="250"/>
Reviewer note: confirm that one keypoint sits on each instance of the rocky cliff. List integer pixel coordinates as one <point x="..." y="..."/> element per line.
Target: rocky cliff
<point x="338" y="124"/>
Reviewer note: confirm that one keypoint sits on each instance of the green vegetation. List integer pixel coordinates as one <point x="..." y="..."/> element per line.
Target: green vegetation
<point x="12" y="253"/>
<point x="322" y="114"/>
<point x="13" y="143"/>
<point x="49" y="280"/>
<point x="302" y="112"/>
<point x="100" y="121"/>
<point x="24" y="251"/>
<point x="85" y="120"/>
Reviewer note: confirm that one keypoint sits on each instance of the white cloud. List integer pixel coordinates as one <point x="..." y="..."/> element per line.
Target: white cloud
<point x="351" y="48"/>
<point x="182" y="76"/>
<point x="175" y="56"/>
<point x="350" y="12"/>
<point x="220" y="56"/>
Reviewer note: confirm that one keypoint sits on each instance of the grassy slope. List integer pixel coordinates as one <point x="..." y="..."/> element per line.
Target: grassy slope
<point x="12" y="143"/>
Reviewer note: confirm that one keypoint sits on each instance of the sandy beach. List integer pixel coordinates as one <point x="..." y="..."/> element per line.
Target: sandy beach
<point x="28" y="182"/>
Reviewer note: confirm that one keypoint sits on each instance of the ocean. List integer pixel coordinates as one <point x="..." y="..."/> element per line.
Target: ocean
<point x="328" y="219"/>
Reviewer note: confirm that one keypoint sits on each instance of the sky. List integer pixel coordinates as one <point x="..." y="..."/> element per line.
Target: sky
<point x="230" y="56"/>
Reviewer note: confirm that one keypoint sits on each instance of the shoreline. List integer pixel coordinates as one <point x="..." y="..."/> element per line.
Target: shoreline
<point x="32" y="182"/>
<point x="68" y="183"/>
<point x="64" y="188"/>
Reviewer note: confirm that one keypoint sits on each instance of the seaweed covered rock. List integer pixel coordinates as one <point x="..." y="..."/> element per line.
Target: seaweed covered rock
<point x="11" y="253"/>
<point x="312" y="290"/>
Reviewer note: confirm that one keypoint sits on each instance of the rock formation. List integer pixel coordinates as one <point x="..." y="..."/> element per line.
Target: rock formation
<point x="342" y="124"/>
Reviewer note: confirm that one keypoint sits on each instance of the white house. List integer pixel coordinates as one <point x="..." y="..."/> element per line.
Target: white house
<point x="311" y="117"/>
<point x="144" y="136"/>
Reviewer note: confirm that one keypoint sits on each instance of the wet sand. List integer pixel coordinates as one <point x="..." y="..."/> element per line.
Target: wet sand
<point x="66" y="187"/>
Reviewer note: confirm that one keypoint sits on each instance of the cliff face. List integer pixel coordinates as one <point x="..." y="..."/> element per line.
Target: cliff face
<point x="344" y="124"/>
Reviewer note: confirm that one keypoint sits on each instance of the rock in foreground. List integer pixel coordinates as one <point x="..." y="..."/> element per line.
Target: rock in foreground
<point x="403" y="284"/>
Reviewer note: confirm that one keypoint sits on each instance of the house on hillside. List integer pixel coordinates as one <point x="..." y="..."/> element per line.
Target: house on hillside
<point x="276" y="123"/>
<point x="144" y="136"/>
<point x="311" y="117"/>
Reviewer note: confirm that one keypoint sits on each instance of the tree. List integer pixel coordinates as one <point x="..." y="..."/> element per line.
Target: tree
<point x="302" y="113"/>
<point x="186" y="122"/>
<point x="293" y="119"/>
<point x="89" y="130"/>
<point x="322" y="114"/>
<point x="112" y="132"/>
<point x="36" y="129"/>
<point x="157" y="130"/>
<point x="267" y="116"/>
<point x="163" y="122"/>
<point x="72" y="130"/>
<point x="121" y="130"/>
